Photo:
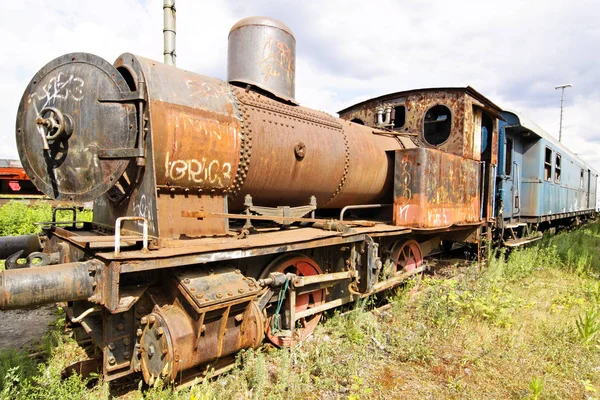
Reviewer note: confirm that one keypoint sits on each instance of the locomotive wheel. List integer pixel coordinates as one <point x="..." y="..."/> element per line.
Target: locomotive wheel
<point x="407" y="256"/>
<point x="300" y="266"/>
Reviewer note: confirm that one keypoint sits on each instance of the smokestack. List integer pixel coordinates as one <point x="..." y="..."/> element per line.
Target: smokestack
<point x="262" y="53"/>
<point x="169" y="31"/>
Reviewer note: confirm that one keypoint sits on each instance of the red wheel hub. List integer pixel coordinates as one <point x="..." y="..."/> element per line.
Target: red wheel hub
<point x="300" y="266"/>
<point x="407" y="255"/>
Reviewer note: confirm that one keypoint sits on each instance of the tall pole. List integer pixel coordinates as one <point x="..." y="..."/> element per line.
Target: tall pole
<point x="169" y="31"/>
<point x="562" y="98"/>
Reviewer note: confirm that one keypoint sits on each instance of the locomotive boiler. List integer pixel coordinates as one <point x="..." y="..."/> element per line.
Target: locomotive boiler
<point x="224" y="212"/>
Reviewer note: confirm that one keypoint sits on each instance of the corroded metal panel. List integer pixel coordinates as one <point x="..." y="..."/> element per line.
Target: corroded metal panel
<point x="298" y="152"/>
<point x="464" y="104"/>
<point x="435" y="189"/>
<point x="70" y="113"/>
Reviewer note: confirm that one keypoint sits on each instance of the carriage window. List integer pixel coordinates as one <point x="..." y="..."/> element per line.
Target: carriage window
<point x="581" y="180"/>
<point x="557" y="169"/>
<point x="508" y="163"/>
<point x="548" y="164"/>
<point x="399" y="116"/>
<point x="437" y="125"/>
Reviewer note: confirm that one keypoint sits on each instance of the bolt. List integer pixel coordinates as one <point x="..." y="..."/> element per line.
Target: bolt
<point x="126" y="341"/>
<point x="151" y="351"/>
<point x="120" y="327"/>
<point x="165" y="350"/>
<point x="199" y="295"/>
<point x="138" y="333"/>
<point x="111" y="346"/>
<point x="160" y="331"/>
<point x="237" y="271"/>
<point x="219" y="295"/>
<point x="239" y="317"/>
<point x="240" y="290"/>
<point x="126" y="354"/>
<point x="152" y="319"/>
<point x="229" y="294"/>
<point x="186" y="280"/>
<point x="144" y="320"/>
<point x="111" y="360"/>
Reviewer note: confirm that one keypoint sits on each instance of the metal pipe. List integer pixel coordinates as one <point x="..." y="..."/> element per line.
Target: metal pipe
<point x="9" y="245"/>
<point x="361" y="206"/>
<point x="169" y="32"/>
<point x="388" y="116"/>
<point x="20" y="288"/>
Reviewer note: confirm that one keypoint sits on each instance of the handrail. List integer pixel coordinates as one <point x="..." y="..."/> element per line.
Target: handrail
<point x="118" y="232"/>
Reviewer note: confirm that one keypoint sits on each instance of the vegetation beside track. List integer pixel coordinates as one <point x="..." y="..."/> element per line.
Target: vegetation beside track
<point x="18" y="218"/>
<point x="525" y="327"/>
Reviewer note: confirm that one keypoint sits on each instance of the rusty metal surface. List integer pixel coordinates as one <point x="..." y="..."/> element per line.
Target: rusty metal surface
<point x="62" y="127"/>
<point x="435" y="189"/>
<point x="461" y="101"/>
<point x="178" y="252"/>
<point x="221" y="321"/>
<point x="262" y="52"/>
<point x="21" y="288"/>
<point x="195" y="127"/>
<point x="208" y="287"/>
<point x="342" y="163"/>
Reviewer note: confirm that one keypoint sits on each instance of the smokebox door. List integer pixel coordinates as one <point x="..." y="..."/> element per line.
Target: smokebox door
<point x="75" y="109"/>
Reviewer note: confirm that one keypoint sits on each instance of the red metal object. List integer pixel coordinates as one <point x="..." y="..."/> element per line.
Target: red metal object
<point x="300" y="266"/>
<point x="407" y="256"/>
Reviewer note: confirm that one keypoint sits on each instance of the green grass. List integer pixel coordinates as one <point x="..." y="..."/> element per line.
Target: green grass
<point x="524" y="328"/>
<point x="20" y="219"/>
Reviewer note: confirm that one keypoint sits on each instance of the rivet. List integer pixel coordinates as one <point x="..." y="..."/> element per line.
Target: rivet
<point x="240" y="290"/>
<point x="126" y="341"/>
<point x="186" y="280"/>
<point x="199" y="295"/>
<point x="152" y="319"/>
<point x="229" y="294"/>
<point x="111" y="346"/>
<point x="138" y="333"/>
<point x="111" y="360"/>
<point x="239" y="317"/>
<point x="144" y="320"/>
<point x="160" y="331"/>
<point x="219" y="295"/>
<point x="126" y="354"/>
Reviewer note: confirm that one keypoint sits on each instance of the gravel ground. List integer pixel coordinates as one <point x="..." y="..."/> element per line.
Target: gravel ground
<point x="22" y="329"/>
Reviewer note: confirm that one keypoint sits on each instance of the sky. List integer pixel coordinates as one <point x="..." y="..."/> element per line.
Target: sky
<point x="514" y="52"/>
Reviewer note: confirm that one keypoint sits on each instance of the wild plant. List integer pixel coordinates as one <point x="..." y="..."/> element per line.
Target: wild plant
<point x="588" y="325"/>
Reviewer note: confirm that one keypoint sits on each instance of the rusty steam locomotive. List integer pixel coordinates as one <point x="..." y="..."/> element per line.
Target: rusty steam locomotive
<point x="224" y="212"/>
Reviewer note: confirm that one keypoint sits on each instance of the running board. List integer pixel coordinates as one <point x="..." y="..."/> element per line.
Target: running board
<point x="522" y="241"/>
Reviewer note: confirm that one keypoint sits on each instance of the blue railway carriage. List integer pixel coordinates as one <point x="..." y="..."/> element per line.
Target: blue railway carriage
<point x="540" y="183"/>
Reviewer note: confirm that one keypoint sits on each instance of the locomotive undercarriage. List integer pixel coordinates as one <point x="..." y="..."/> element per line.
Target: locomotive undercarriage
<point x="171" y="317"/>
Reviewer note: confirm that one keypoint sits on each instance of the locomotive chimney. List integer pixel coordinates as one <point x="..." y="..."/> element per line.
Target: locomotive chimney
<point x="262" y="53"/>
<point x="169" y="31"/>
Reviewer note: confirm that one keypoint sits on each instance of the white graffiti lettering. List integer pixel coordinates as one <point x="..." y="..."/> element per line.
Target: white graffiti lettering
<point x="198" y="171"/>
<point x="60" y="86"/>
